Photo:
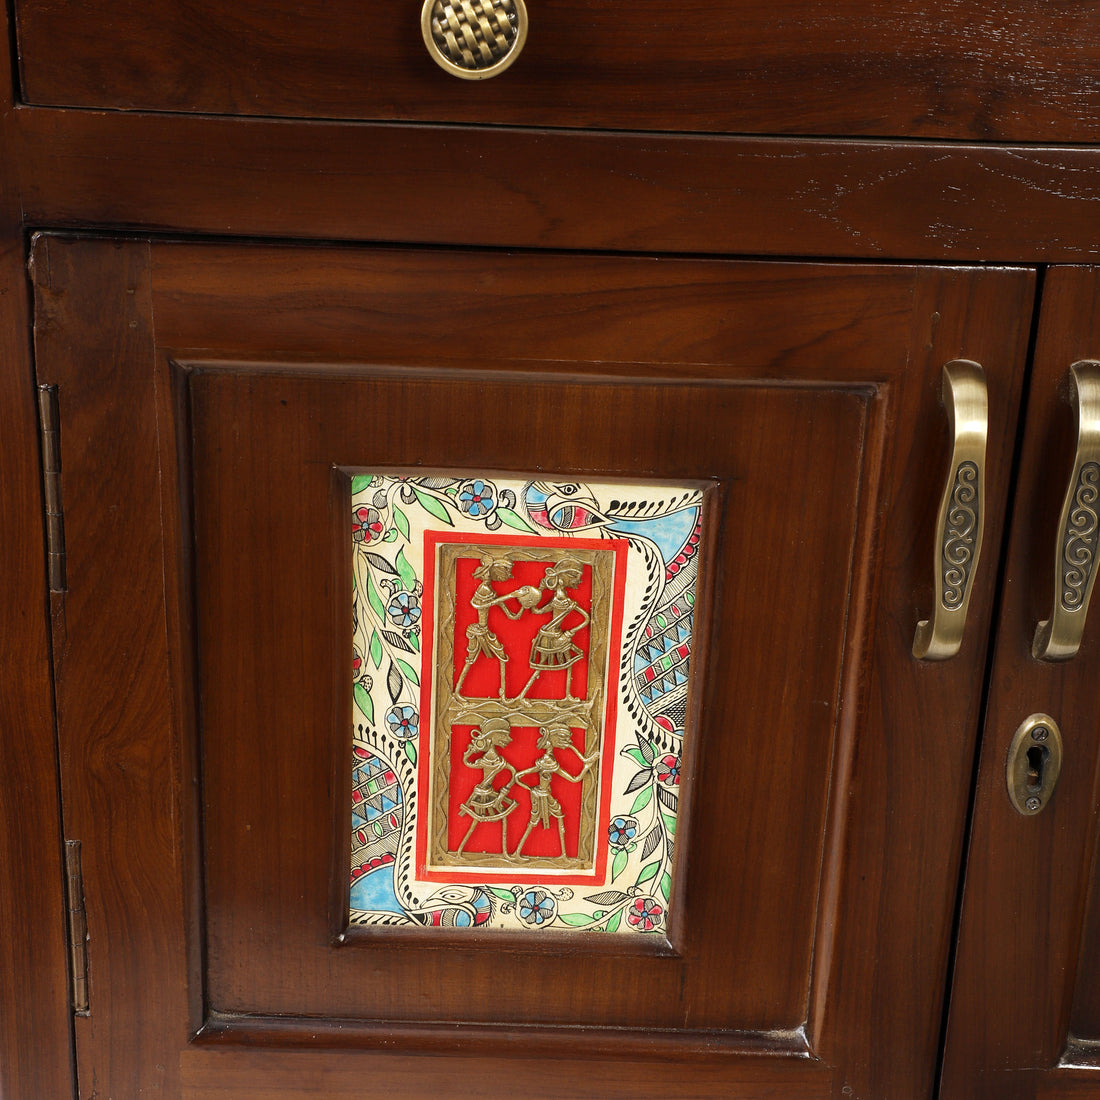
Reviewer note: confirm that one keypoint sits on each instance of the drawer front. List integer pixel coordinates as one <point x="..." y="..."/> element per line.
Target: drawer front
<point x="1011" y="70"/>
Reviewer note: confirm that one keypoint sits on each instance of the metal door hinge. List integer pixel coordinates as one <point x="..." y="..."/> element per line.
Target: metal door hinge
<point x="78" y="926"/>
<point x="51" y="481"/>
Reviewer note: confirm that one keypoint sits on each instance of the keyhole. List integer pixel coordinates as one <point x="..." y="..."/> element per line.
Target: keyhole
<point x="1036" y="759"/>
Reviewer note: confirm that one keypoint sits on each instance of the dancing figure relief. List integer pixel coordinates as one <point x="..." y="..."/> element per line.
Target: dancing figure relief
<point x="486" y="801"/>
<point x="518" y="770"/>
<point x="553" y="649"/>
<point x="479" y="638"/>
<point x="544" y="805"/>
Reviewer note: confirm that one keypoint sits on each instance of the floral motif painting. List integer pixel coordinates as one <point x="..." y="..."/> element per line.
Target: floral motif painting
<point x="521" y="675"/>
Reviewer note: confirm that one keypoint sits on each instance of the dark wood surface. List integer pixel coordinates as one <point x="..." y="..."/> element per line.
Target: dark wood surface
<point x="1028" y="76"/>
<point x="35" y="1036"/>
<point x="1019" y="955"/>
<point x="542" y="188"/>
<point x="1006" y="70"/>
<point x="841" y="363"/>
<point x="746" y="925"/>
<point x="116" y="678"/>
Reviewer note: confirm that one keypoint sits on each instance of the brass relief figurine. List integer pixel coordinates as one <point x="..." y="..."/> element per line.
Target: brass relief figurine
<point x="487" y="802"/>
<point x="553" y="648"/>
<point x="543" y="804"/>
<point x="514" y="772"/>
<point x="479" y="638"/>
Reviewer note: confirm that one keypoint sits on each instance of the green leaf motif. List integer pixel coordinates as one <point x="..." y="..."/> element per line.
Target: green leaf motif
<point x="514" y="520"/>
<point x="643" y="799"/>
<point x="414" y="641"/>
<point x="670" y="823"/>
<point x="375" y="649"/>
<point x="617" y="865"/>
<point x="430" y="504"/>
<point x="648" y="872"/>
<point x="504" y="895"/>
<point x="410" y="751"/>
<point x="401" y="522"/>
<point x="361" y="482"/>
<point x="390" y="535"/>
<point x="635" y="755"/>
<point x="405" y="571"/>
<point x="375" y="599"/>
<point x="408" y="670"/>
<point x="363" y="701"/>
<point x="666" y="885"/>
<point x="613" y="924"/>
<point x="576" y="920"/>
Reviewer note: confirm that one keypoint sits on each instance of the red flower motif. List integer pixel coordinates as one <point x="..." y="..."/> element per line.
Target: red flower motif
<point x="668" y="770"/>
<point x="366" y="525"/>
<point x="644" y="913"/>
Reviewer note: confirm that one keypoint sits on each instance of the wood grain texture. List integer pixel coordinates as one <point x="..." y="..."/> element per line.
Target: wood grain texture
<point x="221" y="1075"/>
<point x="1026" y="878"/>
<point x="119" y="743"/>
<point x="900" y="856"/>
<point x="632" y="192"/>
<point x="1005" y="70"/>
<point x="268" y="740"/>
<point x="35" y="1020"/>
<point x="820" y="353"/>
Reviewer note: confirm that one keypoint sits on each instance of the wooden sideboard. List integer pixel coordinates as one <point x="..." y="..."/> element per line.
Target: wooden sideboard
<point x="241" y="250"/>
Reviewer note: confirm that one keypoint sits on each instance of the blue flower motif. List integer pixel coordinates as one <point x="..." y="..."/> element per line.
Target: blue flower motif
<point x="404" y="722"/>
<point x="622" y="831"/>
<point x="404" y="609"/>
<point x="536" y="907"/>
<point x="477" y="498"/>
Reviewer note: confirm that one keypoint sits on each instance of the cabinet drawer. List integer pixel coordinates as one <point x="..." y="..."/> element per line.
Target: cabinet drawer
<point x="1013" y="70"/>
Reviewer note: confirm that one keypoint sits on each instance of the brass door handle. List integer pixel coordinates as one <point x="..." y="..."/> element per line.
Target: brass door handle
<point x="962" y="511"/>
<point x="1059" y="637"/>
<point x="474" y="39"/>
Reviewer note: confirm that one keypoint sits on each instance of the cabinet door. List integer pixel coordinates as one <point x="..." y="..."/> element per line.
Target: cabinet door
<point x="1025" y="1009"/>
<point x="346" y="827"/>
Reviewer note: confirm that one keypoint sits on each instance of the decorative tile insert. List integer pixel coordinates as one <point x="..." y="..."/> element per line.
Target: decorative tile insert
<point x="521" y="685"/>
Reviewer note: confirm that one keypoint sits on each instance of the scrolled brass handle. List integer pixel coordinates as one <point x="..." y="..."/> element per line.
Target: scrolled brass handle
<point x="474" y="39"/>
<point x="962" y="512"/>
<point x="1059" y="637"/>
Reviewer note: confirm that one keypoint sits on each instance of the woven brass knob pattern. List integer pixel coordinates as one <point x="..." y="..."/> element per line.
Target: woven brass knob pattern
<point x="474" y="39"/>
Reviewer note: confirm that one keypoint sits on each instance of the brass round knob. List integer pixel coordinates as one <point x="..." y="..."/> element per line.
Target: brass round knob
<point x="474" y="39"/>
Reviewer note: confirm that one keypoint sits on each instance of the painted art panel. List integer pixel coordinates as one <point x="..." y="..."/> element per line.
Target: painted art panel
<point x="521" y="691"/>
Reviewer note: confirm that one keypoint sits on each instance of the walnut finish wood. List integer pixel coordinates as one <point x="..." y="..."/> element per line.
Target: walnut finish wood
<point x="1003" y="70"/>
<point x="745" y="926"/>
<point x="35" y="1032"/>
<point x="221" y="1075"/>
<point x="841" y="363"/>
<point x="117" y="679"/>
<point x="1020" y="953"/>
<point x="632" y="192"/>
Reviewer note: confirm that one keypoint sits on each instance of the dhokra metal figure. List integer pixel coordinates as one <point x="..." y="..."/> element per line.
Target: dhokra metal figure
<point x="544" y="805"/>
<point x="553" y="648"/>
<point x="546" y="627"/>
<point x="486" y="801"/>
<point x="479" y="638"/>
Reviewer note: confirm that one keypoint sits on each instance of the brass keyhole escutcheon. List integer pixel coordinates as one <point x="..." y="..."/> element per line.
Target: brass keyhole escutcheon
<point x="1034" y="762"/>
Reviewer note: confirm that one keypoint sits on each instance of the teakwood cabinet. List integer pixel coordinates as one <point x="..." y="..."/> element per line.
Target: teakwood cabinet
<point x="273" y="244"/>
<point x="209" y="397"/>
